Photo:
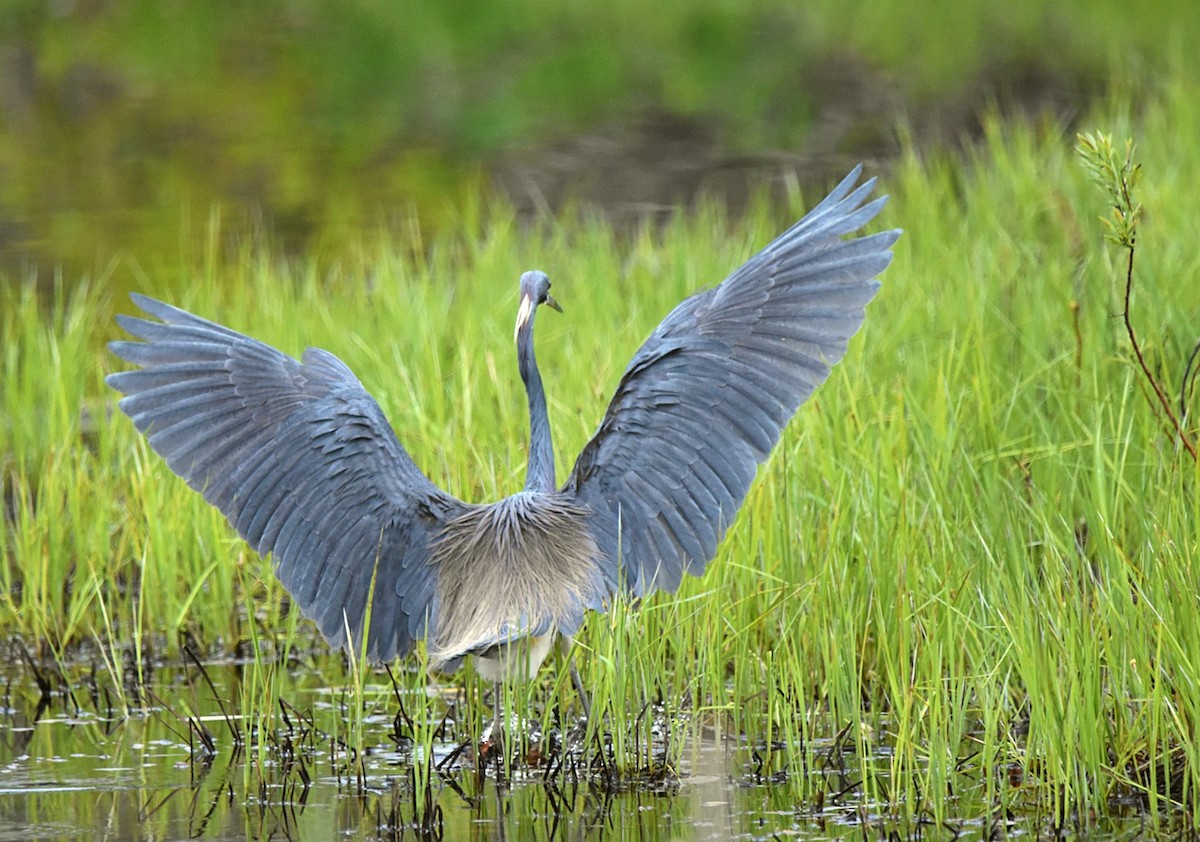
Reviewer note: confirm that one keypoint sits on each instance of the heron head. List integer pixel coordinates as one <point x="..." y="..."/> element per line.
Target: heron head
<point x="535" y="290"/>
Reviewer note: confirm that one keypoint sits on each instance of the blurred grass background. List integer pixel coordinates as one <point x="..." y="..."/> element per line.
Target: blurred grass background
<point x="312" y="124"/>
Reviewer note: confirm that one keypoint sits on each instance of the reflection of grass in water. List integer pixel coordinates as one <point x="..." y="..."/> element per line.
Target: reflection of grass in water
<point x="973" y="558"/>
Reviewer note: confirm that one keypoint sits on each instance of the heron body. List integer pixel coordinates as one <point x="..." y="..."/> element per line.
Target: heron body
<point x="526" y="562"/>
<point x="303" y="463"/>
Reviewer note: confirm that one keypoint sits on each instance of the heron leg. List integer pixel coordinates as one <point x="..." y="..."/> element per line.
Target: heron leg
<point x="579" y="688"/>
<point x="565" y="646"/>
<point x="497" y="734"/>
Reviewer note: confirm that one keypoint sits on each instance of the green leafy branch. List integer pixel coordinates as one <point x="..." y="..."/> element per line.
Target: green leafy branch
<point x="1117" y="176"/>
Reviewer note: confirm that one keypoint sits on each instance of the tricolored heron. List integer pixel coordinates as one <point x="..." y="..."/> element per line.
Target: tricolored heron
<point x="303" y="463"/>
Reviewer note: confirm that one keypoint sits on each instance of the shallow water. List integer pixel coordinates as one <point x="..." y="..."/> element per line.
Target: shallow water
<point x="78" y="769"/>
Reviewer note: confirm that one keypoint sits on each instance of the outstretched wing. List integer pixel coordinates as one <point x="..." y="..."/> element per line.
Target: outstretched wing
<point x="705" y="399"/>
<point x="302" y="462"/>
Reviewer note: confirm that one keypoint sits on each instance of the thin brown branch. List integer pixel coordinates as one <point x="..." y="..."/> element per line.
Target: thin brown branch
<point x="1189" y="382"/>
<point x="1078" y="343"/>
<point x="1137" y="350"/>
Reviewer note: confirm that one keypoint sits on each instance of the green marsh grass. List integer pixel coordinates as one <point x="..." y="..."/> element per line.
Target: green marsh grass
<point x="971" y="565"/>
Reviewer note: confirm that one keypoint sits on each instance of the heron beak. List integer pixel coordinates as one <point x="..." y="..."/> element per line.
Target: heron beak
<point x="524" y="312"/>
<point x="552" y="304"/>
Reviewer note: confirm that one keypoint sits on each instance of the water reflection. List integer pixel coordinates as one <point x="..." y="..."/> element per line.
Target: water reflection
<point x="70" y="771"/>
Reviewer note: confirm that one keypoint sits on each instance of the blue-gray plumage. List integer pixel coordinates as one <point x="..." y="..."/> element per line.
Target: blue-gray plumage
<point x="301" y="460"/>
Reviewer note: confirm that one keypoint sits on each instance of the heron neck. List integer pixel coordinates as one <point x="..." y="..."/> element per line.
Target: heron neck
<point x="539" y="472"/>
